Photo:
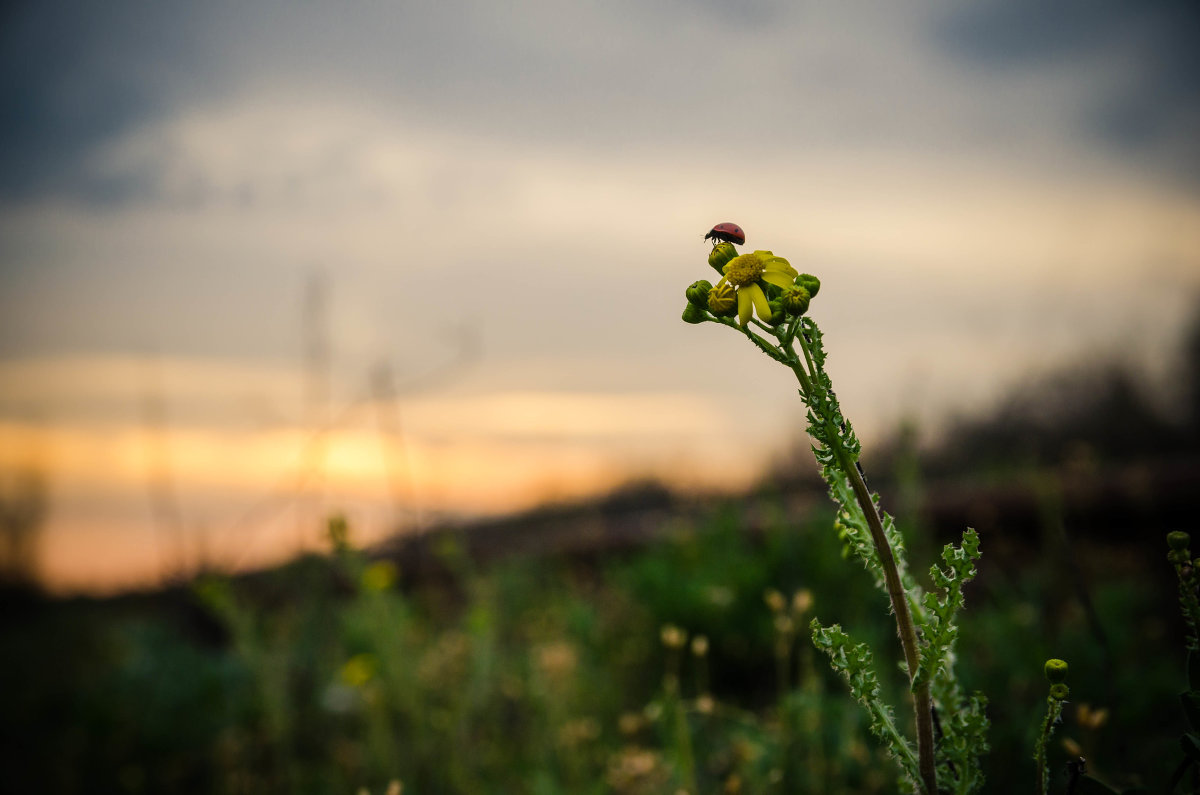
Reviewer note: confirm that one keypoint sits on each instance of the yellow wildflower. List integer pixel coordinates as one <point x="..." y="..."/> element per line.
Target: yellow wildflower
<point x="359" y="669"/>
<point x="747" y="273"/>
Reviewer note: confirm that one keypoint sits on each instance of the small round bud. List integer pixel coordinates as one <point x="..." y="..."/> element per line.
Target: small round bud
<point x="694" y="314"/>
<point x="802" y="600"/>
<point x="810" y="283"/>
<point x="1056" y="670"/>
<point x="722" y="300"/>
<point x="697" y="294"/>
<point x="721" y="254"/>
<point x="1059" y="691"/>
<point x="795" y="300"/>
<point x="774" y="600"/>
<point x="1178" y="540"/>
<point x="700" y="645"/>
<point x="778" y="313"/>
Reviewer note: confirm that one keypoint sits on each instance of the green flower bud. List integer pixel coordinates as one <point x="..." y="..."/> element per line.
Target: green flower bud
<point x="778" y="313"/>
<point x="795" y="300"/>
<point x="720" y="255"/>
<point x="694" y="314"/>
<point x="697" y="294"/>
<point x="722" y="300"/>
<point x="1178" y="540"/>
<point x="1059" y="691"/>
<point x="810" y="283"/>
<point x="1056" y="670"/>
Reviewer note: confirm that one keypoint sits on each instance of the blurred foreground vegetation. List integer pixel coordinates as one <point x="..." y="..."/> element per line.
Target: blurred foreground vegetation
<point x="683" y="665"/>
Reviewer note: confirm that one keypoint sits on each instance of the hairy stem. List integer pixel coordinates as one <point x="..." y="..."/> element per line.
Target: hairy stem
<point x="923" y="702"/>
<point x="1053" y="710"/>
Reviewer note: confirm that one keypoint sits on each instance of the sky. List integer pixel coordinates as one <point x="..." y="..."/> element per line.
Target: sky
<point x="263" y="262"/>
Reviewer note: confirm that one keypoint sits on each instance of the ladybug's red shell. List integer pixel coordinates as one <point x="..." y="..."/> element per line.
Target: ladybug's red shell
<point x="730" y="233"/>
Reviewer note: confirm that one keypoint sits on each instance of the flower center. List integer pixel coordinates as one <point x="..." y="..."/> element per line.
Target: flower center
<point x="744" y="270"/>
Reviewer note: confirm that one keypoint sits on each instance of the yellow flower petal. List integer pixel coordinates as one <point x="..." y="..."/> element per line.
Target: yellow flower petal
<point x="760" y="301"/>
<point x="781" y="265"/>
<point x="778" y="278"/>
<point x="745" y="305"/>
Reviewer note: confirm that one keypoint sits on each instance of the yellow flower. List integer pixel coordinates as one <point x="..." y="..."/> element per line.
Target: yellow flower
<point x="747" y="273"/>
<point x="359" y="669"/>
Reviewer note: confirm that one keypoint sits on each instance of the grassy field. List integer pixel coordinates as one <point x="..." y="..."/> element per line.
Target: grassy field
<point x="681" y="665"/>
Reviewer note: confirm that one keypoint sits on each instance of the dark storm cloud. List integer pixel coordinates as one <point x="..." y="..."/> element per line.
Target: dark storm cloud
<point x="607" y="76"/>
<point x="75" y="75"/>
<point x="1151" y="108"/>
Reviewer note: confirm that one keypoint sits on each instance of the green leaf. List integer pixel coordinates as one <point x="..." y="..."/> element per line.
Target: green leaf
<point x="941" y="632"/>
<point x="854" y="662"/>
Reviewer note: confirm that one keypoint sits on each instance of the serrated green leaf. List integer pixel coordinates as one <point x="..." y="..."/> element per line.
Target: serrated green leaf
<point x="853" y="661"/>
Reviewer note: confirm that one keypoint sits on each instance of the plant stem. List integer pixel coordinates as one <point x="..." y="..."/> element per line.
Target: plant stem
<point x="923" y="703"/>
<point x="1053" y="710"/>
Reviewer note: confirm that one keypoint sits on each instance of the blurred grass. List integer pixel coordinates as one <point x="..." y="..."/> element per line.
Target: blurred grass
<point x="548" y="675"/>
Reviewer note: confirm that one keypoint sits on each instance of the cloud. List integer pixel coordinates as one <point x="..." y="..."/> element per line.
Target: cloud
<point x="735" y="82"/>
<point x="1138" y="65"/>
<point x="75" y="75"/>
<point x="547" y="253"/>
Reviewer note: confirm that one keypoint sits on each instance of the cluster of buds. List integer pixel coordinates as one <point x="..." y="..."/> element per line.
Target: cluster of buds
<point x="1179" y="542"/>
<point x="705" y="300"/>
<point x="1056" y="673"/>
<point x="1180" y="556"/>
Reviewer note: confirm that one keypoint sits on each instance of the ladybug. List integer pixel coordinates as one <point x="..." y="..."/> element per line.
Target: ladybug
<point x="730" y="233"/>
